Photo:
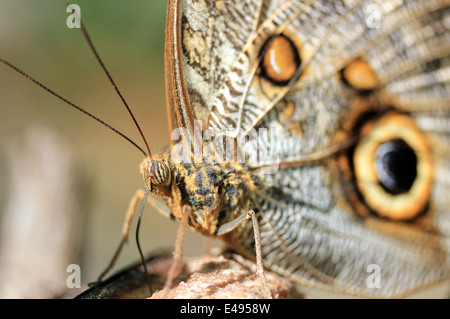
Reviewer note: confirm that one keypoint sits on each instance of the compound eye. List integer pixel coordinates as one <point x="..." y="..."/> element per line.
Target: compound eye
<point x="159" y="173"/>
<point x="393" y="167"/>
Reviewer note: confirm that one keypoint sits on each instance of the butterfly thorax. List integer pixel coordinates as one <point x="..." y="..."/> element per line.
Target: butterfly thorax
<point x="215" y="193"/>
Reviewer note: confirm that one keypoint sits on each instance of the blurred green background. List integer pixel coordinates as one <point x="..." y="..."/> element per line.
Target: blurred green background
<point x="129" y="36"/>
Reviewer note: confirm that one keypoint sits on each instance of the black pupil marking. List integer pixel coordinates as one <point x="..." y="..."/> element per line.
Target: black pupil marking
<point x="396" y="166"/>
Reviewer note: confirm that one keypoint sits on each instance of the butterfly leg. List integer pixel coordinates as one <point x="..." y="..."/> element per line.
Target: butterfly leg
<point x="139" y="195"/>
<point x="259" y="263"/>
<point x="178" y="252"/>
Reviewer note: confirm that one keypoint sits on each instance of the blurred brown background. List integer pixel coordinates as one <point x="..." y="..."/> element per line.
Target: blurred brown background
<point x="129" y="36"/>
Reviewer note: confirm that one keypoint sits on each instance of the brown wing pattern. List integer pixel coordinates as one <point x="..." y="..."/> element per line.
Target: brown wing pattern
<point x="311" y="230"/>
<point x="212" y="35"/>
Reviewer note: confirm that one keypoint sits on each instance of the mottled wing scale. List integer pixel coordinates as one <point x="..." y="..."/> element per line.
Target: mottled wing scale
<point x="310" y="230"/>
<point x="212" y="34"/>
<point x="329" y="245"/>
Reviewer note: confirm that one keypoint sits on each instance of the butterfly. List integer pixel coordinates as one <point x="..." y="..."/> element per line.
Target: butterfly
<point x="350" y="100"/>
<point x="356" y="96"/>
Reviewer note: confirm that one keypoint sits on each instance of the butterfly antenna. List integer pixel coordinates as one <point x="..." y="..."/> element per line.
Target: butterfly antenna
<point x="139" y="244"/>
<point x="70" y="103"/>
<point x="100" y="61"/>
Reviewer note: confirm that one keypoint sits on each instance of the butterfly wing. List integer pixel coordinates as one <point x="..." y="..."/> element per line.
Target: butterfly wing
<point x="312" y="229"/>
<point x="309" y="231"/>
<point x="203" y="38"/>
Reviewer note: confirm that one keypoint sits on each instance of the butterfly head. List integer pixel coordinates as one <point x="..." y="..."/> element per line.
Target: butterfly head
<point x="156" y="173"/>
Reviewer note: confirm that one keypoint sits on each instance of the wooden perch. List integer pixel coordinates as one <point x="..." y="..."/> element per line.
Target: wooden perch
<point x="224" y="276"/>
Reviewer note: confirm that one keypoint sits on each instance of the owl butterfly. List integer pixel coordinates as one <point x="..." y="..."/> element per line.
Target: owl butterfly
<point x="356" y="96"/>
<point x="352" y="98"/>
